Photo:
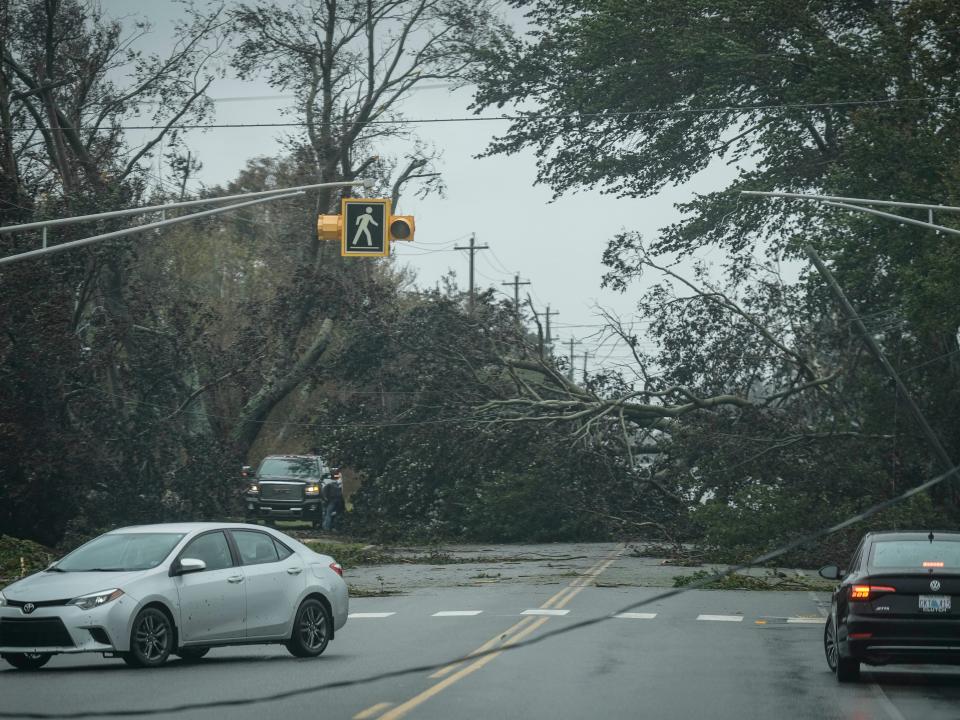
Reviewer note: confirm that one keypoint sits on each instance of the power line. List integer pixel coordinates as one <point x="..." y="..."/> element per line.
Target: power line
<point x="523" y="116"/>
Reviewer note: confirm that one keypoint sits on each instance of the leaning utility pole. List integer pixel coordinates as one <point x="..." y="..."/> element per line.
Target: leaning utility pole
<point x="858" y="205"/>
<point x="586" y="354"/>
<point x="878" y="355"/>
<point x="472" y="248"/>
<point x="572" y="358"/>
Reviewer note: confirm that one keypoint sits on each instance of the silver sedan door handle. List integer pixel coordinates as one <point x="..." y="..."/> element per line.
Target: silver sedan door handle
<point x="235" y="579"/>
<point x="294" y="570"/>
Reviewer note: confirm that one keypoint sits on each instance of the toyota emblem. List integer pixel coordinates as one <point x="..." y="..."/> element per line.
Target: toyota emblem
<point x="30" y="607"/>
<point x="934" y="585"/>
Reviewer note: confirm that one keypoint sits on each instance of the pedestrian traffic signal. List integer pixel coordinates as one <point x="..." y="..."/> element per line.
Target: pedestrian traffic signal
<point x="365" y="227"/>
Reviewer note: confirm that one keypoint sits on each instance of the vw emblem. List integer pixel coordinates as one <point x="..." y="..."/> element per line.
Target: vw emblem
<point x="934" y="585"/>
<point x="30" y="607"/>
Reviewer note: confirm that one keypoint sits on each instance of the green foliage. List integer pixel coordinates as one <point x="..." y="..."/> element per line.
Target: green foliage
<point x="22" y="557"/>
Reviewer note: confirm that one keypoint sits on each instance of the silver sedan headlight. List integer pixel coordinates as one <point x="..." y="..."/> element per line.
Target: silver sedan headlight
<point x="95" y="600"/>
<point x="3" y="600"/>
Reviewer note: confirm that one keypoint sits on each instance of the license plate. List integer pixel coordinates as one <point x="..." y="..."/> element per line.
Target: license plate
<point x="935" y="603"/>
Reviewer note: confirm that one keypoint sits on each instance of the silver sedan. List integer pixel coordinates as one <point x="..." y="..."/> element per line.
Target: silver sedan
<point x="142" y="593"/>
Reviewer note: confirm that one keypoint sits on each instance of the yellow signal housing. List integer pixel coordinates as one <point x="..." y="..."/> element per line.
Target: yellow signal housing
<point x="329" y="227"/>
<point x="402" y="227"/>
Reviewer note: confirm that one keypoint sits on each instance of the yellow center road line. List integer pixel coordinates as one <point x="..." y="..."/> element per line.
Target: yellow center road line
<point x="519" y="633"/>
<point x="372" y="712"/>
<point x="488" y="645"/>
<point x="589" y="574"/>
<point x="401" y="710"/>
<point x="579" y="588"/>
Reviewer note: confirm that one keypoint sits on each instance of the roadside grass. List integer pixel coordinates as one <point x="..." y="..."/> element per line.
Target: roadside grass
<point x="771" y="580"/>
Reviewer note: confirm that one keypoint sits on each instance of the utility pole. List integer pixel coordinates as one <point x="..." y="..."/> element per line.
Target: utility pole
<point x="586" y="354"/>
<point x="548" y="313"/>
<point x="516" y="293"/>
<point x="572" y="358"/>
<point x="472" y="248"/>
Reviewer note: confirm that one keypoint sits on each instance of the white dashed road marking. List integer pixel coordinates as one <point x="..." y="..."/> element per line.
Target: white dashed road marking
<point x="353" y="616"/>
<point x="636" y="616"/>
<point x="721" y="618"/>
<point x="541" y="611"/>
<point x="456" y="613"/>
<point x="806" y="620"/>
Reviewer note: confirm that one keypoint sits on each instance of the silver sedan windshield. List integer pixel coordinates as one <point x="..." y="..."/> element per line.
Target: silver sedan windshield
<point x="121" y="552"/>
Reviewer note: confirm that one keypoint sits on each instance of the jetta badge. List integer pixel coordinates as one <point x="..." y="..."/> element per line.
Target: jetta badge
<point x="30" y="607"/>
<point x="934" y="585"/>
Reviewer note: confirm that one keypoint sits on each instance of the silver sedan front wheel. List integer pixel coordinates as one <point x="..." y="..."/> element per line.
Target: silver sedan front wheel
<point x="151" y="639"/>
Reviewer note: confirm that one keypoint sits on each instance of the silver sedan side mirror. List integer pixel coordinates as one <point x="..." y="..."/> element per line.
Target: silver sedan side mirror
<point x="189" y="565"/>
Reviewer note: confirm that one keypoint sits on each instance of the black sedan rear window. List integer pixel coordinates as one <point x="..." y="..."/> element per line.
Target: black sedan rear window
<point x="919" y="554"/>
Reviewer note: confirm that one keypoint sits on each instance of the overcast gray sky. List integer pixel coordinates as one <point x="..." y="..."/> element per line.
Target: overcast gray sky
<point x="557" y="245"/>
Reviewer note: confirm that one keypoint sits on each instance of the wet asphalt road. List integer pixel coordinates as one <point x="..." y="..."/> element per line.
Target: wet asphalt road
<point x="704" y="654"/>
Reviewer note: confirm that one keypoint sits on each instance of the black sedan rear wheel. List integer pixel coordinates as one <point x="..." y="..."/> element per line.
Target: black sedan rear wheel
<point x="830" y="648"/>
<point x="311" y="630"/>
<point x="846" y="669"/>
<point x="27" y="661"/>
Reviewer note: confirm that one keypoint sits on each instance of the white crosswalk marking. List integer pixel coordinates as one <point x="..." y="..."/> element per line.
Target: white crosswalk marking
<point x="357" y="615"/>
<point x="721" y="618"/>
<point x="636" y="615"/>
<point x="541" y="611"/>
<point x="456" y="613"/>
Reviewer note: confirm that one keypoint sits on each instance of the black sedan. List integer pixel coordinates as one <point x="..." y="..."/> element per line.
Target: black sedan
<point x="897" y="603"/>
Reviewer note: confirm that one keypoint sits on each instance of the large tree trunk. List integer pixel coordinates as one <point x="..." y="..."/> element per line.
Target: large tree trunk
<point x="277" y="387"/>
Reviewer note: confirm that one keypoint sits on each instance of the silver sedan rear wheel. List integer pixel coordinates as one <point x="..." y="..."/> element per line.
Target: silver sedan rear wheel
<point x="311" y="630"/>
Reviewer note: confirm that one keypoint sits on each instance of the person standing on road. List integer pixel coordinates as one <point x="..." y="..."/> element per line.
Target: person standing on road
<point x="332" y="495"/>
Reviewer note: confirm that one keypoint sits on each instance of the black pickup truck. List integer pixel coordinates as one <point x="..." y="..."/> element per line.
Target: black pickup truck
<point x="287" y="487"/>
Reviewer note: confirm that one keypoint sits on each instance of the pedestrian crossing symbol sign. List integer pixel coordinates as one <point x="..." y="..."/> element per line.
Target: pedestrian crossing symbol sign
<point x="365" y="231"/>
